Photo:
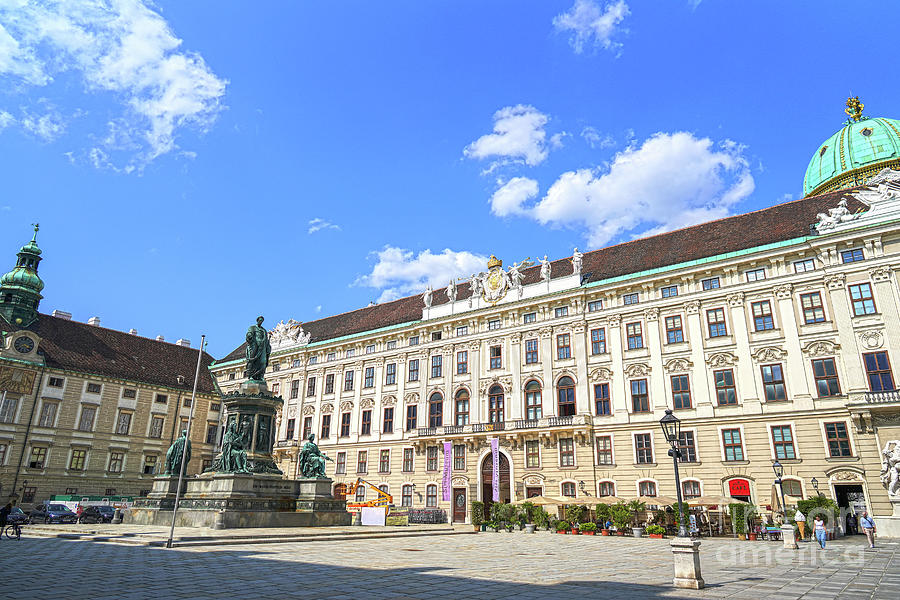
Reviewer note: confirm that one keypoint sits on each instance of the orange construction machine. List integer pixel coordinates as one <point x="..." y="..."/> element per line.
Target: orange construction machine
<point x="382" y="498"/>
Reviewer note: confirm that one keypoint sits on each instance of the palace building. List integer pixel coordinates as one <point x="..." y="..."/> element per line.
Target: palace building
<point x="772" y="335"/>
<point x="86" y="410"/>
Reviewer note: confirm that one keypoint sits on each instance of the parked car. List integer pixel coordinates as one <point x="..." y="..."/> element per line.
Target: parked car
<point x="97" y="514"/>
<point x="16" y="515"/>
<point x="52" y="513"/>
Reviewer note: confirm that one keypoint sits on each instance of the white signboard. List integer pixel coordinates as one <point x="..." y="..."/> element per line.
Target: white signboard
<point x="372" y="515"/>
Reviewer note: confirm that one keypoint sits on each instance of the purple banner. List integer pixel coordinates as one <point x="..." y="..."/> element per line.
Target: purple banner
<point x="495" y="468"/>
<point x="448" y="466"/>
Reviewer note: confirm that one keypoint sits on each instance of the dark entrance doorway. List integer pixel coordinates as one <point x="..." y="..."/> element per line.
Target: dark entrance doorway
<point x="531" y="492"/>
<point x="851" y="499"/>
<point x="459" y="505"/>
<point x="487" y="490"/>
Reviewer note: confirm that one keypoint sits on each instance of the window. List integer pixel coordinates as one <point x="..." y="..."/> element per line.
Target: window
<point x="348" y="381"/>
<point x="76" y="463"/>
<point x="276" y="387"/>
<point x="435" y="410"/>
<point x="495" y="404"/>
<point x="681" y="391"/>
<point x="325" y="432"/>
<point x="392" y="345"/>
<point x="632" y="298"/>
<point x="762" y="315"/>
<point x="565" y="394"/>
<point x="604" y="450"/>
<point x="38" y="458"/>
<point x="387" y="423"/>
<point x="783" y="441"/>
<point x="55" y="382"/>
<point x="532" y="454"/>
<point x="531" y="352"/>
<point x="496" y="356"/>
<point x="205" y="466"/>
<point x="149" y="464"/>
<point x="361" y="494"/>
<point x="28" y="493"/>
<point x="566" y="452"/>
<point x="366" y="428"/>
<point x="311" y="386"/>
<point x="412" y="370"/>
<point x="162" y="398"/>
<point x="462" y="407"/>
<point x="276" y="367"/>
<point x="643" y="447"/>
<point x="329" y="383"/>
<point x="48" y="414"/>
<point x="369" y="377"/>
<point x="115" y="462"/>
<point x="670" y="291"/>
<point x="598" y="341"/>
<point x="384" y="461"/>
<point x="430" y="495"/>
<point x="710" y="284"/>
<point x="459" y="457"/>
<point x="408" y="459"/>
<point x="8" y="409"/>
<point x="295" y="389"/>
<point x="690" y="488"/>
<point x="725" y="390"/>
<point x="561" y="311"/>
<point x="214" y="407"/>
<point x="802" y="266"/>
<point x="414" y="340"/>
<point x="563" y="346"/>
<point x="86" y="423"/>
<point x="688" y="446"/>
<point x="461" y="331"/>
<point x="606" y="488"/>
<point x="345" y="424"/>
<point x="838" y="440"/>
<point x="362" y="464"/>
<point x="370" y="349"/>
<point x="635" y="336"/>
<point x="94" y="388"/>
<point x="878" y="371"/>
<point x="731" y="443"/>
<point x="431" y="458"/>
<point x="493" y="324"/>
<point x="340" y="464"/>
<point x="533" y="405"/>
<point x="390" y="374"/>
<point x="123" y="423"/>
<point x="406" y="495"/>
<point x="601" y="399"/>
<point x="529" y="318"/>
<point x="773" y="383"/>
<point x="854" y="255"/>
<point x="128" y="393"/>
<point x="231" y="377"/>
<point x="307" y="427"/>
<point x="755" y="275"/>
<point x="647" y="488"/>
<point x="462" y="362"/>
<point x="156" y="427"/>
<point x="289" y="433"/>
<point x="640" y="400"/>
<point x="813" y="312"/>
<point x="436" y="336"/>
<point x="792" y="487"/>
<point x="862" y="300"/>
<point x="313" y="360"/>
<point x="674" y="332"/>
<point x="3" y="449"/>
<point x="715" y="319"/>
<point x="595" y="305"/>
<point x="411" y="417"/>
<point x="825" y="374"/>
<point x="568" y="489"/>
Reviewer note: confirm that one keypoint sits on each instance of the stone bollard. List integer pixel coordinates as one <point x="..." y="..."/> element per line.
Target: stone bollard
<point x="686" y="552"/>
<point x="117" y="518"/>
<point x="788" y="536"/>
<point x="220" y="520"/>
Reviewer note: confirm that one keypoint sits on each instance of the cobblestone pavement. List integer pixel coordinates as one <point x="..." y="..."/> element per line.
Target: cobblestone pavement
<point x="487" y="565"/>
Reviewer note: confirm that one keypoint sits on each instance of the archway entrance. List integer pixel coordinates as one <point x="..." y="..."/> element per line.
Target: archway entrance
<point x="487" y="478"/>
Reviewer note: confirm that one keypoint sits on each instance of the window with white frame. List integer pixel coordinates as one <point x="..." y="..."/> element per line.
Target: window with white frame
<point x="632" y="298"/>
<point x="595" y="305"/>
<point x="803" y="266"/>
<point x="647" y="488"/>
<point x="755" y="275"/>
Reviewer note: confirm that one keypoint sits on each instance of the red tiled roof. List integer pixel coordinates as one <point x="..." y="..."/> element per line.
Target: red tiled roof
<point x="740" y="232"/>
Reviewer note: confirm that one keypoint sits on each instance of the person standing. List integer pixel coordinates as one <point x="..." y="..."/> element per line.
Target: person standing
<point x="868" y="525"/>
<point x="4" y="515"/>
<point x="819" y="530"/>
<point x="800" y="519"/>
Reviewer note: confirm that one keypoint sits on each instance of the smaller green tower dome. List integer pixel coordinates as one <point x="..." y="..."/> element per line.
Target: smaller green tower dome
<point x="22" y="278"/>
<point x="20" y="289"/>
<point x="855" y="153"/>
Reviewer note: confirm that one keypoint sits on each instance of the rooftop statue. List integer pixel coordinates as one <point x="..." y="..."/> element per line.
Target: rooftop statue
<point x="258" y="350"/>
<point x="427" y="296"/>
<point x="176" y="453"/>
<point x="545" y="269"/>
<point x="577" y="261"/>
<point x="312" y="460"/>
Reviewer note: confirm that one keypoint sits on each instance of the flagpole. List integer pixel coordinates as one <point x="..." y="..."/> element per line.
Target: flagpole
<point x="187" y="440"/>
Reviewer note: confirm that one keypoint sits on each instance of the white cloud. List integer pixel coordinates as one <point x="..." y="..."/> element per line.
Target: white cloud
<point x="6" y="120"/>
<point x="590" y="24"/>
<point x="318" y="224"/>
<point x="123" y="48"/>
<point x="318" y="308"/>
<point x="47" y="126"/>
<point x="518" y="136"/>
<point x="672" y="180"/>
<point x="510" y="196"/>
<point x="399" y="272"/>
<point x="595" y="140"/>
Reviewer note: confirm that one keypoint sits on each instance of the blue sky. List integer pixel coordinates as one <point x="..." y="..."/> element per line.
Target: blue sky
<point x="196" y="163"/>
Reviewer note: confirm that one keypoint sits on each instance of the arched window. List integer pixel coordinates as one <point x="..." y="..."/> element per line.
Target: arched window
<point x="406" y="495"/>
<point x="361" y="493"/>
<point x="495" y="404"/>
<point x="340" y="491"/>
<point x="462" y="407"/>
<point x="435" y="410"/>
<point x="606" y="488"/>
<point x="690" y="488"/>
<point x="647" y="488"/>
<point x="533" y="400"/>
<point x="792" y="488"/>
<point x="385" y="488"/>
<point x="431" y="495"/>
<point x="565" y="390"/>
<point x="568" y="489"/>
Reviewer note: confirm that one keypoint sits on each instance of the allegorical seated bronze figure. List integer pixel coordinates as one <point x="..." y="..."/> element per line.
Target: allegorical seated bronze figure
<point x="312" y="460"/>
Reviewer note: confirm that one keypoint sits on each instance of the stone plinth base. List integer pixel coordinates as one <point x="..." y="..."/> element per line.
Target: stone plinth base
<point x="686" y="552"/>
<point x="788" y="536"/>
<point x="886" y="527"/>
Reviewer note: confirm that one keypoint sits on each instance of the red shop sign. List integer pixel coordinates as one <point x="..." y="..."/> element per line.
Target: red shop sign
<point x="739" y="487"/>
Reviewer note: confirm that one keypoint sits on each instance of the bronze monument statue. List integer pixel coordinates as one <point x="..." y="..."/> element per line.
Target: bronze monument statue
<point x="234" y="457"/>
<point x="258" y="350"/>
<point x="178" y="451"/>
<point x="312" y="460"/>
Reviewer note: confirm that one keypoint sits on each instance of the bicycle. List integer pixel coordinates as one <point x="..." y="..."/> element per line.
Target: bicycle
<point x="14" y="531"/>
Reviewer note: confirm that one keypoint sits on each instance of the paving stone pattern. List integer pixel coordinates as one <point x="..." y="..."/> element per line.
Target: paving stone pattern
<point x="486" y="565"/>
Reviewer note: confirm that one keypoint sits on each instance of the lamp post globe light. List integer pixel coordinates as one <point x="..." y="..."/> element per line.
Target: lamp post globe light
<point x="779" y="473"/>
<point x="815" y="484"/>
<point x="671" y="426"/>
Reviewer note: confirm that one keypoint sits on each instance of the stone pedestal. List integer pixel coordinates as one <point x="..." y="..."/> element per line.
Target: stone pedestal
<point x="889" y="526"/>
<point x="686" y="552"/>
<point x="788" y="537"/>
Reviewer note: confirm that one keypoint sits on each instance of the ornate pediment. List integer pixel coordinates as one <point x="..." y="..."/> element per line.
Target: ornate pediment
<point x="366" y="403"/>
<point x="678" y="365"/>
<point x="601" y="374"/>
<point x="327" y="408"/>
<point x="505" y="381"/>
<point x="871" y="339"/>
<point x="288" y="334"/>
<point x="388" y="400"/>
<point x="721" y="359"/>
<point x="768" y="353"/>
<point x="346" y="405"/>
<point x="411" y="398"/>
<point x="309" y="410"/>
<point x="821" y="348"/>
<point x="637" y="370"/>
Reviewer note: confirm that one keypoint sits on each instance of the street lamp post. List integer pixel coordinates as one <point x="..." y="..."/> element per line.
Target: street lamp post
<point x="685" y="550"/>
<point x="787" y="530"/>
<point x="815" y="484"/>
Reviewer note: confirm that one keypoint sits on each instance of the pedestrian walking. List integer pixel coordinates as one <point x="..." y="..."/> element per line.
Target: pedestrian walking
<point x="4" y="515"/>
<point x="800" y="519"/>
<point x="868" y="525"/>
<point x="819" y="530"/>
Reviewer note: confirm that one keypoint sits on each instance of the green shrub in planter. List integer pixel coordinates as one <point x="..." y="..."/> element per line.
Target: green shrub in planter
<point x="621" y="515"/>
<point x="739" y="513"/>
<point x="541" y="517"/>
<point x="477" y="513"/>
<point x="576" y="513"/>
<point x="563" y="525"/>
<point x="655" y="529"/>
<point x="588" y="527"/>
<point x="818" y="505"/>
<point x="602" y="512"/>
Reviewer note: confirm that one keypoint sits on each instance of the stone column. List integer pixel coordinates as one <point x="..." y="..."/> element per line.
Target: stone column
<point x="686" y="552"/>
<point x="788" y="537"/>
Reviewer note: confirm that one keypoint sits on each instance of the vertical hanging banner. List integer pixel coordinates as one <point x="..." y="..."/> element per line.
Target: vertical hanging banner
<point x="495" y="468"/>
<point x="448" y="449"/>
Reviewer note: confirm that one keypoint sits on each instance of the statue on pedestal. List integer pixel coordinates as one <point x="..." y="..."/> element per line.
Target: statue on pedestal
<point x="312" y="460"/>
<point x="176" y="453"/>
<point x="258" y="350"/>
<point x="233" y="458"/>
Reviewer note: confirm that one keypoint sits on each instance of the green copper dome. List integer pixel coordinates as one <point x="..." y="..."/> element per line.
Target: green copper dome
<point x="20" y="289"/>
<point x="21" y="277"/>
<point x="854" y="154"/>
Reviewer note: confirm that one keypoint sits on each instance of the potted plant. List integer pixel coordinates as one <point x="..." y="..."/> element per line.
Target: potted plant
<point x="541" y="518"/>
<point x="490" y="526"/>
<point x="563" y="527"/>
<point x="621" y="517"/>
<point x="477" y="512"/>
<point x="739" y="513"/>
<point x="588" y="528"/>
<point x="602" y="512"/>
<point x="636" y="507"/>
<point x="656" y="531"/>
